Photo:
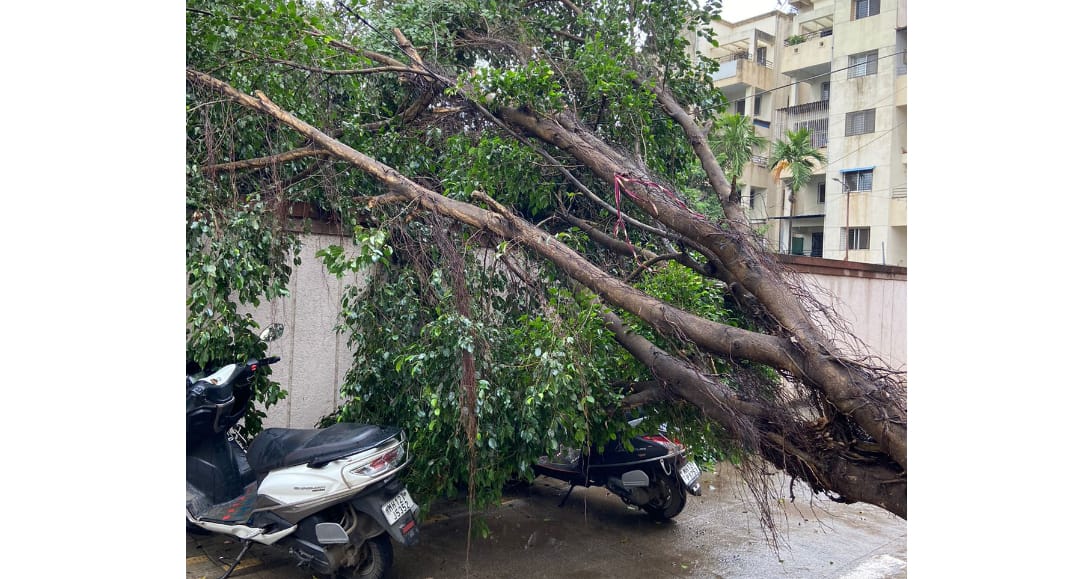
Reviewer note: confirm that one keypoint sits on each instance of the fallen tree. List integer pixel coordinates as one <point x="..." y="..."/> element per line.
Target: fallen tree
<point x="839" y="425"/>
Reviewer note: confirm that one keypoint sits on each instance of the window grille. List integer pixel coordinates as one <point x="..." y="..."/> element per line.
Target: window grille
<point x="859" y="180"/>
<point x="862" y="64"/>
<point x="819" y="131"/>
<point x="858" y="238"/>
<point x="859" y="122"/>
<point x="867" y="8"/>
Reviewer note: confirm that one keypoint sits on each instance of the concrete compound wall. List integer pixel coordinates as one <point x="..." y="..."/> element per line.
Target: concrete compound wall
<point x="872" y="299"/>
<point x="314" y="358"/>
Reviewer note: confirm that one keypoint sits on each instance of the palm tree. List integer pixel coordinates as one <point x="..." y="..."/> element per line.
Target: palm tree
<point x="797" y="154"/>
<point x="737" y="141"/>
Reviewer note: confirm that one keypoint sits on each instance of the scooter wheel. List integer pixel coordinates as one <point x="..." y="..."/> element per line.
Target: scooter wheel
<point x="668" y="500"/>
<point x="377" y="557"/>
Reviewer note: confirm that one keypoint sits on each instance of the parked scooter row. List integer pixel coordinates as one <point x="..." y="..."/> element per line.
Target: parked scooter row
<point x="333" y="497"/>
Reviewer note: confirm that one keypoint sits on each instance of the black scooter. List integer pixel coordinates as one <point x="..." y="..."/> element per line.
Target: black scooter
<point x="655" y="476"/>
<point x="331" y="497"/>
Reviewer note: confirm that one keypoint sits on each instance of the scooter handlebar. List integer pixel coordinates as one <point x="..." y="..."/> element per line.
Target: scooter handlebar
<point x="256" y="363"/>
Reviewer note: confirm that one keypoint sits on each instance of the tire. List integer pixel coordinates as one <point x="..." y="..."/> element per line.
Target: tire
<point x="376" y="559"/>
<point x="669" y="498"/>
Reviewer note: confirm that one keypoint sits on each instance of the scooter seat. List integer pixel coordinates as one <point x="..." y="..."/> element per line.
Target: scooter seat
<point x="281" y="447"/>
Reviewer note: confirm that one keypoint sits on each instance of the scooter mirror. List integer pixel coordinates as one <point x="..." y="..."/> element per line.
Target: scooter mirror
<point x="272" y="332"/>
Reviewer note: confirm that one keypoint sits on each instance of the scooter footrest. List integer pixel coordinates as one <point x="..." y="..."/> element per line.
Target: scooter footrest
<point x="237" y="510"/>
<point x="197" y="503"/>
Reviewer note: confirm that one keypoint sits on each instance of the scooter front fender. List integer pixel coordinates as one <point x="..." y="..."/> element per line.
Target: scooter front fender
<point x="406" y="529"/>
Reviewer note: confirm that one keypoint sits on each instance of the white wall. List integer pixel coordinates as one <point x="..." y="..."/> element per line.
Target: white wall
<point x="314" y="358"/>
<point x="876" y="309"/>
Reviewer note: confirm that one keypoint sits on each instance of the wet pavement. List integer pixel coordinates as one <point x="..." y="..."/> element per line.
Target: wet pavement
<point x="595" y="535"/>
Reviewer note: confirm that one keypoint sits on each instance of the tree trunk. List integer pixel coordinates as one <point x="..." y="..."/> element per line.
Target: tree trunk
<point x="802" y="351"/>
<point x="814" y="359"/>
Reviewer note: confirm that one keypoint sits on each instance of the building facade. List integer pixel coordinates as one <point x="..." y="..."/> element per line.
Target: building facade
<point x="839" y="69"/>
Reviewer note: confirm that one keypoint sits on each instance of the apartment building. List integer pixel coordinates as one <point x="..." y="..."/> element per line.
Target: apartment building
<point x="839" y="69"/>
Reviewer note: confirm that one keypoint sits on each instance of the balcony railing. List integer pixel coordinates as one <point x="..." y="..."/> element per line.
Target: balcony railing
<point x="815" y="109"/>
<point x="744" y="55"/>
<point x="813" y="116"/>
<point x="797" y="39"/>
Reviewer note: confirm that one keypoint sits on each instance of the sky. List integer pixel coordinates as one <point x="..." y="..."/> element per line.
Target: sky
<point x="736" y="10"/>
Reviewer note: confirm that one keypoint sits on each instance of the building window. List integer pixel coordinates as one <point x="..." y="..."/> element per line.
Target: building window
<point x="757" y="104"/>
<point x="821" y="192"/>
<point x="819" y="131"/>
<point x="740" y="107"/>
<point x="859" y="180"/>
<point x="753" y="197"/>
<point x="858" y="238"/>
<point x="866" y="8"/>
<point x="859" y="122"/>
<point x="761" y="53"/>
<point x="825" y="91"/>
<point x="862" y="64"/>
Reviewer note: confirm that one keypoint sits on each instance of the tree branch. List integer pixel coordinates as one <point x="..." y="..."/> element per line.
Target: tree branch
<point x="711" y="336"/>
<point x="309" y="151"/>
<point x="572" y="6"/>
<point x="649" y="262"/>
<point x="345" y="72"/>
<point x="611" y="243"/>
<point x="851" y="388"/>
<point x="368" y="54"/>
<point x="567" y="35"/>
<point x="646" y="393"/>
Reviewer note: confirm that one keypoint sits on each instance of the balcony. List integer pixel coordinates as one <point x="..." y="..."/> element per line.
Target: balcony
<point x="813" y="116"/>
<point x="739" y="71"/>
<point x="809" y="52"/>
<point x="898" y="210"/>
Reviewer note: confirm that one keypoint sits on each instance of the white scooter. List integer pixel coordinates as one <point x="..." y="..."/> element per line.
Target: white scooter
<point x="331" y="496"/>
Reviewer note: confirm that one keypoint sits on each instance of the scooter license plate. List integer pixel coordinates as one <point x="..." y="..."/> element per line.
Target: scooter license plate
<point x="689" y="472"/>
<point x="398" y="506"/>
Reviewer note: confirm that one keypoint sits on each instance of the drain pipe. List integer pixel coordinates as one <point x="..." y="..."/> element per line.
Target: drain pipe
<point x="847" y="218"/>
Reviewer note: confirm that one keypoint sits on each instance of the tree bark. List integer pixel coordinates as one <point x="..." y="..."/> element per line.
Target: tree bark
<point x="788" y="445"/>
<point x="266" y="161"/>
